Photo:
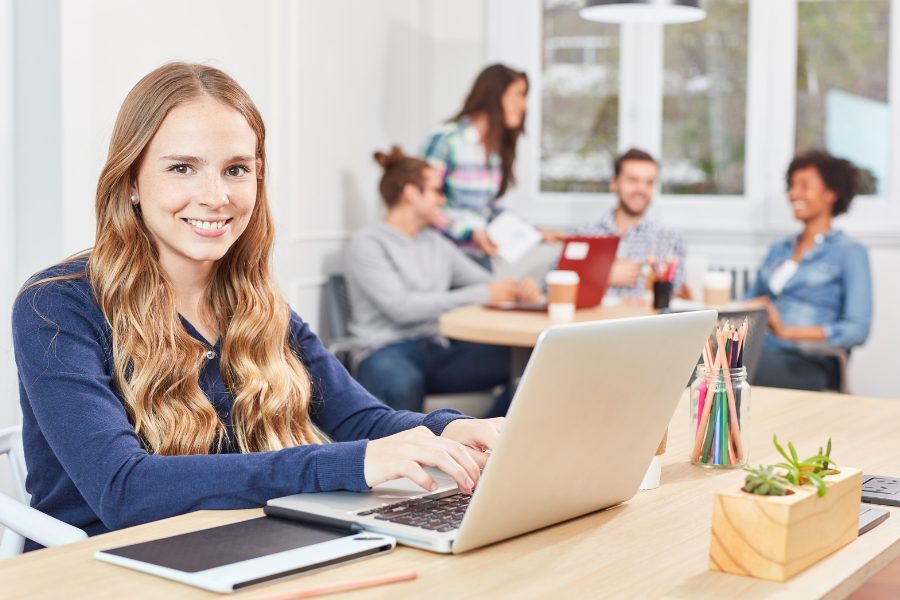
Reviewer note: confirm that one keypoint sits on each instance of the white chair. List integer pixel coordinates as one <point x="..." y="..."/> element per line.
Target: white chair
<point x="20" y="520"/>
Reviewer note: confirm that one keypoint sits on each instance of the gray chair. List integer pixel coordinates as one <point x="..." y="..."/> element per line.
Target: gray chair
<point x="839" y="359"/>
<point x="337" y="312"/>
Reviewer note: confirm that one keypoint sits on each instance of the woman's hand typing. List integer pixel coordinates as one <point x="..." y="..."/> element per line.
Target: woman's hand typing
<point x="405" y="454"/>
<point x="461" y="451"/>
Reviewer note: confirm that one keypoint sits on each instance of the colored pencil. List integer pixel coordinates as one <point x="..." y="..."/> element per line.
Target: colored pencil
<point x="334" y="588"/>
<point x="717" y="436"/>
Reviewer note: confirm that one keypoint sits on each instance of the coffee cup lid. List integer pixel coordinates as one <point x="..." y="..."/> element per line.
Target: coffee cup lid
<point x="719" y="279"/>
<point x="562" y="277"/>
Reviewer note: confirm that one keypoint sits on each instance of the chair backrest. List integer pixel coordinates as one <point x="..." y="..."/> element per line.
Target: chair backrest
<point x="21" y="520"/>
<point x="11" y="446"/>
<point x="11" y="543"/>
<point x="838" y="359"/>
<point x="337" y="312"/>
<point x="336" y="308"/>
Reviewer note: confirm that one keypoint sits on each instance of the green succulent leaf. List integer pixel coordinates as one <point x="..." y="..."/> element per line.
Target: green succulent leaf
<point x="780" y="449"/>
<point x="764" y="481"/>
<point x="821" y="488"/>
<point x="793" y="450"/>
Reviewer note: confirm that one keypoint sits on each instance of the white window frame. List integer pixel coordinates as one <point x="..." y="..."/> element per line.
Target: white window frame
<point x="514" y="36"/>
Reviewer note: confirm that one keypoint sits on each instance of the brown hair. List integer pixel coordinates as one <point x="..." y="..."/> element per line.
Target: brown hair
<point x="485" y="97"/>
<point x="839" y="175"/>
<point x="156" y="362"/>
<point x="632" y="154"/>
<point x="399" y="170"/>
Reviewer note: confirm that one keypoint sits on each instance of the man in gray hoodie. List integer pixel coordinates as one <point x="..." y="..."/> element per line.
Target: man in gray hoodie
<point x="401" y="276"/>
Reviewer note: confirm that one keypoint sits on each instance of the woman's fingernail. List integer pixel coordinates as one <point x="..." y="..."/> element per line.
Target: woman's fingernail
<point x="470" y="484"/>
<point x="433" y="486"/>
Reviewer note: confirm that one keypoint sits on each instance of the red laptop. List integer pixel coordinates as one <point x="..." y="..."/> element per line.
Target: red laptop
<point x="592" y="258"/>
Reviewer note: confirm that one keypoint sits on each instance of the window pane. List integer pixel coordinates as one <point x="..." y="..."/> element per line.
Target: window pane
<point x="842" y="83"/>
<point x="704" y="102"/>
<point x="580" y="100"/>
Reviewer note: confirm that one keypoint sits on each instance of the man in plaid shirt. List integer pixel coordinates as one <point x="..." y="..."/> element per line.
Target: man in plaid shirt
<point x="640" y="237"/>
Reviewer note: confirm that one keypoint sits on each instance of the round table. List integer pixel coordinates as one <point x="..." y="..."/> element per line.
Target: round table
<point x="520" y="328"/>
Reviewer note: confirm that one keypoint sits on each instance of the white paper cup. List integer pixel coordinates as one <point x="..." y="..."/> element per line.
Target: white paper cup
<point x="562" y="291"/>
<point x="716" y="288"/>
<point x="651" y="477"/>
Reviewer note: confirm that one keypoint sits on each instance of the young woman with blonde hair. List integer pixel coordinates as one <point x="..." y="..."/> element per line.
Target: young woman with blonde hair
<point x="162" y="372"/>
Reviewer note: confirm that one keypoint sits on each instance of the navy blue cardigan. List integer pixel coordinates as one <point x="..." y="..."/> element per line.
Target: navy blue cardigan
<point x="86" y="465"/>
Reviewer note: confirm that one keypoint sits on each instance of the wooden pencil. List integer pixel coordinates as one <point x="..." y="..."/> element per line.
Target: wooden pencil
<point x="346" y="586"/>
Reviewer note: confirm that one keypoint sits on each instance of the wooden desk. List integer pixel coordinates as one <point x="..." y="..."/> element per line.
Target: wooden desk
<point x="654" y="545"/>
<point x="520" y="329"/>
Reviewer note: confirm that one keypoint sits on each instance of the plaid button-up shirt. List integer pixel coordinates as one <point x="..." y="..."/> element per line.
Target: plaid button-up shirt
<point x="471" y="180"/>
<point x="647" y="238"/>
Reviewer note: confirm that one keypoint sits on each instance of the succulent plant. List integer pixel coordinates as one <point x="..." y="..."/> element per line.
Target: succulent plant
<point x="764" y="481"/>
<point x="809" y="470"/>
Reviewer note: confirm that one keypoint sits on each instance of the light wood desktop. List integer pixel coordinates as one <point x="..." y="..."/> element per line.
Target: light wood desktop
<point x="518" y="328"/>
<point x="654" y="545"/>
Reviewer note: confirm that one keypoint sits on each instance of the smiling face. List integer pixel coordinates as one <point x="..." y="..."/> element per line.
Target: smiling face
<point x="196" y="184"/>
<point x="810" y="197"/>
<point x="514" y="103"/>
<point x="634" y="185"/>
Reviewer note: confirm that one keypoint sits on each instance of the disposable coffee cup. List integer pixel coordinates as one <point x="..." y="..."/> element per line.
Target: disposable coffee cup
<point x="716" y="288"/>
<point x="654" y="471"/>
<point x="562" y="290"/>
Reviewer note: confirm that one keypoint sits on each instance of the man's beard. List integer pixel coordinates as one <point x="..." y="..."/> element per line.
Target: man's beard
<point x="632" y="213"/>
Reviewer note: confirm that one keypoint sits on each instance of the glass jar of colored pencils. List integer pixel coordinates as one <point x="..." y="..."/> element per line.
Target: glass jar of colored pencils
<point x="720" y="403"/>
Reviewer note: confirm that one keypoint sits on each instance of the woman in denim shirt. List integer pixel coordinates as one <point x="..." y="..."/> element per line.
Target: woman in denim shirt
<point x="817" y="286"/>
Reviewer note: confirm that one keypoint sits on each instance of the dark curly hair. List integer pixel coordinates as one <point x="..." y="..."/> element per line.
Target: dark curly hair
<point x="839" y="175"/>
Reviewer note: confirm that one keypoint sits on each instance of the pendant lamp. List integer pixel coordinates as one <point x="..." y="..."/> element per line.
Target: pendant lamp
<point x="643" y="11"/>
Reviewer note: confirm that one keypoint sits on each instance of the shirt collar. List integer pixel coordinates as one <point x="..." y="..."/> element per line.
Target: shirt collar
<point x="609" y="221"/>
<point x="828" y="237"/>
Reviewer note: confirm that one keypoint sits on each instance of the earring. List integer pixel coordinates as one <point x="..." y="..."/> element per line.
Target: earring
<point x="133" y="198"/>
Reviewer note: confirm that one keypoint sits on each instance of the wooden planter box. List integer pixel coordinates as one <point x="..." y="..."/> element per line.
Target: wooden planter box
<point x="776" y="537"/>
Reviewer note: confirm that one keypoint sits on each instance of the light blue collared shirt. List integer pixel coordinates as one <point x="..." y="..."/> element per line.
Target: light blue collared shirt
<point x="832" y="287"/>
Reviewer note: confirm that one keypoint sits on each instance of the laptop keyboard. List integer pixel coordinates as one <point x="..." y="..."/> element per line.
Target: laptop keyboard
<point x="439" y="512"/>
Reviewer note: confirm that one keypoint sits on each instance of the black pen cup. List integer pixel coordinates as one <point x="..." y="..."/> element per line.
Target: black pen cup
<point x="662" y="294"/>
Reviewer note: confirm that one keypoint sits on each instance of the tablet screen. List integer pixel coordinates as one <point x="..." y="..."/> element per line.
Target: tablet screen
<point x="219" y="546"/>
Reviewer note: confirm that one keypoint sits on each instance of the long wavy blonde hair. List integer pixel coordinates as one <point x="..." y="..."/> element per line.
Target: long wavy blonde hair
<point x="157" y="363"/>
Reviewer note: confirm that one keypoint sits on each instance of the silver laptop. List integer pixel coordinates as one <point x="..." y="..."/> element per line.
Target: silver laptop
<point x="583" y="426"/>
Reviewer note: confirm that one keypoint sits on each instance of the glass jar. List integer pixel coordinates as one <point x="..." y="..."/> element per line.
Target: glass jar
<point x="720" y="407"/>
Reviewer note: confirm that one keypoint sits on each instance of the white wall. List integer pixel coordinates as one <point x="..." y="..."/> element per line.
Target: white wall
<point x="334" y="81"/>
<point x="8" y="404"/>
<point x="370" y="74"/>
